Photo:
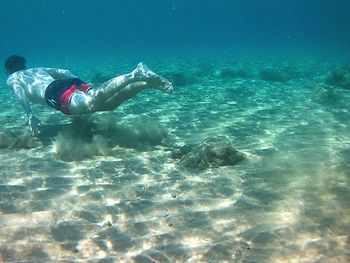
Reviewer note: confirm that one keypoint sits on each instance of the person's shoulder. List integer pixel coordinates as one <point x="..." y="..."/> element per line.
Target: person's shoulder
<point x="49" y="69"/>
<point x="13" y="77"/>
<point x="24" y="71"/>
<point x="18" y="75"/>
<point x="36" y="69"/>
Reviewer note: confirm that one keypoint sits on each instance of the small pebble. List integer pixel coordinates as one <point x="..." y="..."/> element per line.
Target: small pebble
<point x="107" y="224"/>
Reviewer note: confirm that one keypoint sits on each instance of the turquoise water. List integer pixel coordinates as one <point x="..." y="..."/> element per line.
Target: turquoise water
<point x="105" y="186"/>
<point x="272" y="77"/>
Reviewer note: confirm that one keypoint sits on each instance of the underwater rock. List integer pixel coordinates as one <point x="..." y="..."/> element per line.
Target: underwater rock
<point x="204" y="70"/>
<point x="276" y="75"/>
<point x="179" y="79"/>
<point x="11" y="140"/>
<point x="211" y="153"/>
<point x="227" y="73"/>
<point x="339" y="78"/>
<point x="100" y="78"/>
<point x="325" y="96"/>
<point x="107" y="224"/>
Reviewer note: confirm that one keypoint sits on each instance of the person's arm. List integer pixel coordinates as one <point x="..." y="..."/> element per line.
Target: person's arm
<point x="22" y="98"/>
<point x="58" y="73"/>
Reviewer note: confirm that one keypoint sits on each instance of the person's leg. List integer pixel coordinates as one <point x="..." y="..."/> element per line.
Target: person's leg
<point x="141" y="73"/>
<point x="115" y="91"/>
<point x="124" y="94"/>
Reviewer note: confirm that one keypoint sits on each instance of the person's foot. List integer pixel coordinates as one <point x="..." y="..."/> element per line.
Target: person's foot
<point x="152" y="79"/>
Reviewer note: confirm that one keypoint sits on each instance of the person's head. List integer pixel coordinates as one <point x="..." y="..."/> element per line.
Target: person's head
<point x="14" y="63"/>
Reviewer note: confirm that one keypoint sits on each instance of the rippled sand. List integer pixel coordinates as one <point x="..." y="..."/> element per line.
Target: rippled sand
<point x="104" y="187"/>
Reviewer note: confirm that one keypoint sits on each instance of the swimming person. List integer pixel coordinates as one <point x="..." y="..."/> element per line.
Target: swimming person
<point x="63" y="91"/>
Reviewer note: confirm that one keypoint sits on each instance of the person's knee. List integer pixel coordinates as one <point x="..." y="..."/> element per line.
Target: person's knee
<point x="81" y="103"/>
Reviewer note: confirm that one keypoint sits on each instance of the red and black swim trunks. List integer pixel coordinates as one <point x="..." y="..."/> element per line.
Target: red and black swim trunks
<point x="59" y="92"/>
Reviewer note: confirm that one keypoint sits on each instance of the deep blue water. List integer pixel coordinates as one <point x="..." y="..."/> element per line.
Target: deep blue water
<point x="104" y="187"/>
<point x="36" y="26"/>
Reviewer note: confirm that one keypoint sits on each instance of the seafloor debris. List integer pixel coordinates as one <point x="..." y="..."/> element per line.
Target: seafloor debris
<point x="339" y="78"/>
<point x="18" y="140"/>
<point x="227" y="73"/>
<point x="278" y="75"/>
<point x="212" y="152"/>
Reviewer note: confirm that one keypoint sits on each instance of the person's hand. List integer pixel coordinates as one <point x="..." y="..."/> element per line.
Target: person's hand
<point x="34" y="124"/>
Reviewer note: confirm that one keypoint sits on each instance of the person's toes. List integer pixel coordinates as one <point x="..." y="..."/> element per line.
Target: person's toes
<point x="142" y="71"/>
<point x="167" y="86"/>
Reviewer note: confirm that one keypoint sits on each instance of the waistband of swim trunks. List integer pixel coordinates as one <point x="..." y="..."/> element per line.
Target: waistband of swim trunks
<point x="67" y="95"/>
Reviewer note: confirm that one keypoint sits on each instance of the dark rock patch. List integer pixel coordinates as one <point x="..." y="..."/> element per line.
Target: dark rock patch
<point x="277" y="75"/>
<point x="211" y="153"/>
<point x="179" y="79"/>
<point x="339" y="78"/>
<point x="100" y="78"/>
<point x="13" y="140"/>
<point x="325" y="96"/>
<point x="227" y="73"/>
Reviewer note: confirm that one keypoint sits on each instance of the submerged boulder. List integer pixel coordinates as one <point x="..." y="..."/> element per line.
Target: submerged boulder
<point x="179" y="79"/>
<point x="325" y="96"/>
<point x="277" y="75"/>
<point x="228" y="73"/>
<point x="211" y="153"/>
<point x="339" y="78"/>
<point x="99" y="78"/>
<point x="12" y="140"/>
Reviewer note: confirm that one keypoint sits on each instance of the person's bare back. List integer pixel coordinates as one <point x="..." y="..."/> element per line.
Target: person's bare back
<point x="61" y="90"/>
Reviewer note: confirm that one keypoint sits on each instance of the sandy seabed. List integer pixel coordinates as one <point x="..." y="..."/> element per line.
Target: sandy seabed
<point x="104" y="187"/>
